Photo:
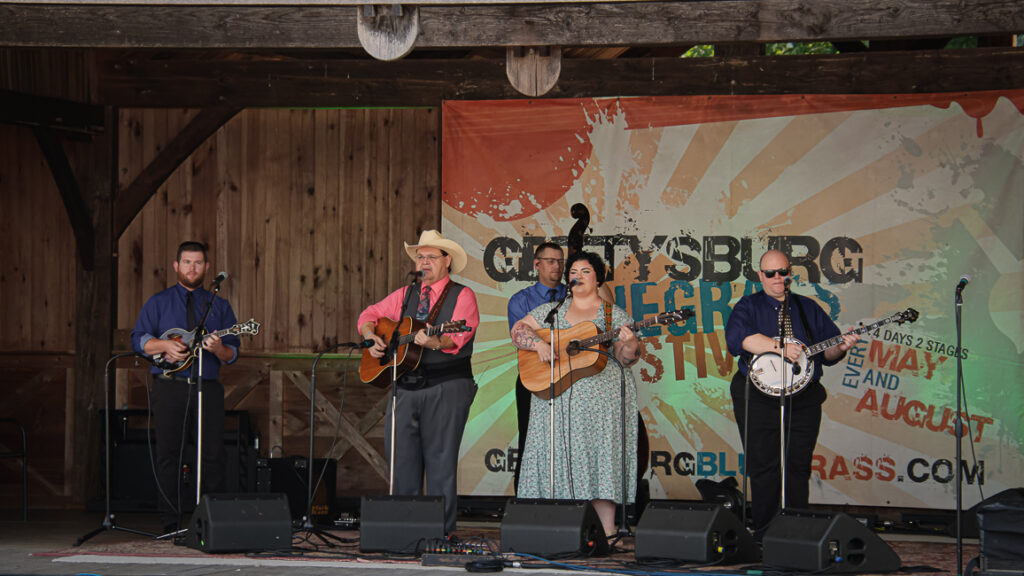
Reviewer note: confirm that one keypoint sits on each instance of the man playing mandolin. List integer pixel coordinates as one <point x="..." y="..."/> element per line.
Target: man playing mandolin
<point x="752" y="330"/>
<point x="433" y="401"/>
<point x="182" y="306"/>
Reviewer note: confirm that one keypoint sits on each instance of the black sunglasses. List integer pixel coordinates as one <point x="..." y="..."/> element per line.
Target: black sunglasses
<point x="783" y="272"/>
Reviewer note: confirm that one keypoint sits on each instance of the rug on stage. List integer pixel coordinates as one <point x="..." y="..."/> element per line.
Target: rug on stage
<point x="917" y="557"/>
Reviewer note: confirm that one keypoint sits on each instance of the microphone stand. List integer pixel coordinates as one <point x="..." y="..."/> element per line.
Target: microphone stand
<point x="109" y="522"/>
<point x="195" y="377"/>
<point x="393" y="350"/>
<point x="550" y="319"/>
<point x="574" y="349"/>
<point x="746" y="434"/>
<point x="783" y="317"/>
<point x="307" y="521"/>
<point x="958" y="301"/>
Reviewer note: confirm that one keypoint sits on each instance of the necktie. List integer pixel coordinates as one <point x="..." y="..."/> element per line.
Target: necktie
<point x="190" y="315"/>
<point x="789" y="323"/>
<point x="424" y="307"/>
<point x="551" y="294"/>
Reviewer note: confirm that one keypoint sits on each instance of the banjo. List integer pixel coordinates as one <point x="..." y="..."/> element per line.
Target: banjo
<point x="766" y="370"/>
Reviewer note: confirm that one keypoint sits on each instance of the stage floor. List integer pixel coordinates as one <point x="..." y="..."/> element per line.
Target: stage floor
<point x="45" y="545"/>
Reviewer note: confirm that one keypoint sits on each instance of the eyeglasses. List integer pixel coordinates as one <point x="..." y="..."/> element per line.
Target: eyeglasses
<point x="559" y="261"/>
<point x="431" y="257"/>
<point x="782" y="272"/>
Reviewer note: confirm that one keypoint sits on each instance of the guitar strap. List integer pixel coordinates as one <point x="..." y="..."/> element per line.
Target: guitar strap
<point x="607" y="317"/>
<point x="437" y="305"/>
<point x="803" y="319"/>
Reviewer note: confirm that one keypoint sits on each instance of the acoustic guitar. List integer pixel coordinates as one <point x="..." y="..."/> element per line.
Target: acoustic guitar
<point x="573" y="359"/>
<point x="399" y="336"/>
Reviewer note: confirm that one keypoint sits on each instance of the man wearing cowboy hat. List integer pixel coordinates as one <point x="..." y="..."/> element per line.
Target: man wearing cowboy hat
<point x="432" y="401"/>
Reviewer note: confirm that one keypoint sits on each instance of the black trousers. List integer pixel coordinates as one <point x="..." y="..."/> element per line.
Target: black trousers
<point x="174" y="410"/>
<point x="761" y="448"/>
<point x="523" y="418"/>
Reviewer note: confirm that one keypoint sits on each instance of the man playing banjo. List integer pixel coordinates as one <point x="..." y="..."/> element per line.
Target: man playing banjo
<point x="752" y="330"/>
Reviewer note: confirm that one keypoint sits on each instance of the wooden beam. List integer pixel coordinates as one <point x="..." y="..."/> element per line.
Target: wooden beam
<point x="371" y="418"/>
<point x="353" y="434"/>
<point x="133" y="198"/>
<point x="51" y="113"/>
<point x="95" y="306"/>
<point x="241" y="390"/>
<point x="75" y="206"/>
<point x="458" y="25"/>
<point x="333" y="83"/>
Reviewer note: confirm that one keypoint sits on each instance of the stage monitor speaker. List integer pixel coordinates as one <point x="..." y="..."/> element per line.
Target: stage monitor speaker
<point x="552" y="528"/>
<point x="818" y="541"/>
<point x="240" y="523"/>
<point x="693" y="532"/>
<point x="400" y="524"/>
<point x="1001" y="533"/>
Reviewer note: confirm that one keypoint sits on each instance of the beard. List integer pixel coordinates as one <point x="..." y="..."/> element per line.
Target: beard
<point x="192" y="285"/>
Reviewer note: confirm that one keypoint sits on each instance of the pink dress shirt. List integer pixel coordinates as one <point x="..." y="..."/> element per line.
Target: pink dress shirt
<point x="465" y="309"/>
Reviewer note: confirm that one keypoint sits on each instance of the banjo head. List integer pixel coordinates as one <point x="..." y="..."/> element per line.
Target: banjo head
<point x="767" y="371"/>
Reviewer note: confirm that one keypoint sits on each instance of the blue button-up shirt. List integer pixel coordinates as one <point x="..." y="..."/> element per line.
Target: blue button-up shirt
<point x="166" y="310"/>
<point x="522" y="302"/>
<point x="758" y="313"/>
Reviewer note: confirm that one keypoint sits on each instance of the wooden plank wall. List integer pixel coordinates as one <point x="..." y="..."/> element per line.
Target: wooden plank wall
<point x="306" y="210"/>
<point x="57" y="73"/>
<point x="37" y="306"/>
<point x="37" y="310"/>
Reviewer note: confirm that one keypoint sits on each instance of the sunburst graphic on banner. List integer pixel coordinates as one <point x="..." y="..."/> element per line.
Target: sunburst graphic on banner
<point x="882" y="203"/>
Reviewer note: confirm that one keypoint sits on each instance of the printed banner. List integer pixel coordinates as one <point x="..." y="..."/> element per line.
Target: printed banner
<point x="882" y="202"/>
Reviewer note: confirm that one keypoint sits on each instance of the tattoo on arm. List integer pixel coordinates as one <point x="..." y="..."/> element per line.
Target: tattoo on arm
<point x="523" y="337"/>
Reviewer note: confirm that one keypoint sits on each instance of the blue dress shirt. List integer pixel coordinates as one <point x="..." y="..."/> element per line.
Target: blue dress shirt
<point x="758" y="313"/>
<point x="166" y="310"/>
<point x="522" y="302"/>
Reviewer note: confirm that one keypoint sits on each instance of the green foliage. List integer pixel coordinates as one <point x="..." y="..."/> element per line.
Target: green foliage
<point x="700" y="51"/>
<point x="787" y="48"/>
<point x="963" y="42"/>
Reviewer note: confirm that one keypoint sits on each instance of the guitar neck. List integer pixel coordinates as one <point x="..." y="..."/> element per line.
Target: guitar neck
<point x="826" y="344"/>
<point x="612" y="334"/>
<point x="220" y="333"/>
<point x="431" y="331"/>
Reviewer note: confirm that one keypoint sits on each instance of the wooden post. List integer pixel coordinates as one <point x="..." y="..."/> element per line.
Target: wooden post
<point x="96" y="173"/>
<point x="388" y="32"/>
<point x="533" y="70"/>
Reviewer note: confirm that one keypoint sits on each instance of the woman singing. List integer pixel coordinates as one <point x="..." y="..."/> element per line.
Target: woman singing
<point x="587" y="441"/>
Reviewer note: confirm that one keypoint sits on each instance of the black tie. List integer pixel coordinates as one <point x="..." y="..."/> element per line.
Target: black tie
<point x="423" y="310"/>
<point x="190" y="315"/>
<point x="551" y="294"/>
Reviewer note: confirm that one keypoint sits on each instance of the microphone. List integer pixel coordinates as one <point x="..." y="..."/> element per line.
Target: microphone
<point x="416" y="273"/>
<point x="787" y="282"/>
<point x="550" y="318"/>
<point x="216" y="281"/>
<point x="962" y="284"/>
<point x="368" y="343"/>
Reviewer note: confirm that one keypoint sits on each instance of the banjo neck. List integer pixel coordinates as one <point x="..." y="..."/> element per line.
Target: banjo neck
<point x="826" y="344"/>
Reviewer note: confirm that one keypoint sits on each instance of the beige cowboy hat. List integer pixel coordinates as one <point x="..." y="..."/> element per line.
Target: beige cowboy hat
<point x="433" y="239"/>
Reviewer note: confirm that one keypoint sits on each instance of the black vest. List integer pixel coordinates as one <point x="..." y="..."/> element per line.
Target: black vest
<point x="437" y="366"/>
